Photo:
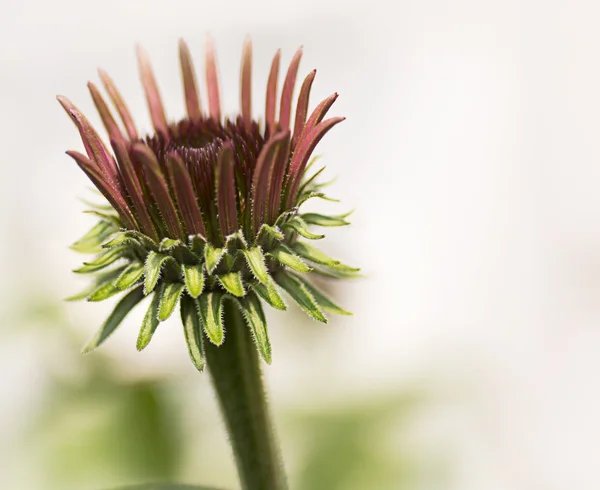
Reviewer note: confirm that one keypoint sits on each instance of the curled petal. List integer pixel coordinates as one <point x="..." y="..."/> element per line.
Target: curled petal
<point x="93" y="144"/>
<point x="246" y="84"/>
<point x="302" y="107"/>
<point x="192" y="99"/>
<point x="109" y="122"/>
<point x="270" y="107"/>
<point x="132" y="184"/>
<point x="226" y="191"/>
<point x="184" y="194"/>
<point x="285" y="107"/>
<point x="318" y="114"/>
<point x="155" y="105"/>
<point x="302" y="154"/>
<point x="122" y="109"/>
<point x="159" y="188"/>
<point x="110" y="193"/>
<point x="212" y="82"/>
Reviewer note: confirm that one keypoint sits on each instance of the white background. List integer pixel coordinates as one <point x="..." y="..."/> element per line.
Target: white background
<point x="470" y="154"/>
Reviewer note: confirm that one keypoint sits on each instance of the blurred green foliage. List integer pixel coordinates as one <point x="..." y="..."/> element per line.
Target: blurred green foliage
<point x="99" y="430"/>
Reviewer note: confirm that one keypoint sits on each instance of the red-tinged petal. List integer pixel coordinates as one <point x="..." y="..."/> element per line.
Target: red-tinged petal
<point x="132" y="184"/>
<point x="276" y="178"/>
<point x="270" y="107"/>
<point x="226" y="191"/>
<point x="184" y="194"/>
<point x="93" y="144"/>
<point x="260" y="181"/>
<point x="318" y="114"/>
<point x="119" y="103"/>
<point x="107" y="118"/>
<point x="246" y="84"/>
<point x="155" y="105"/>
<point x="112" y="196"/>
<point x="190" y="88"/>
<point x="212" y="82"/>
<point x="285" y="106"/>
<point x="302" y="154"/>
<point x="159" y="188"/>
<point x="302" y="107"/>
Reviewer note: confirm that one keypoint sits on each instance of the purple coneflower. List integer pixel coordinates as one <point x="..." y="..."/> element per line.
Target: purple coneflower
<point x="206" y="209"/>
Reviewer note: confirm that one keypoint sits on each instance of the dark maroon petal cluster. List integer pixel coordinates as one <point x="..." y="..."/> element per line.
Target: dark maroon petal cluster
<point x="205" y="174"/>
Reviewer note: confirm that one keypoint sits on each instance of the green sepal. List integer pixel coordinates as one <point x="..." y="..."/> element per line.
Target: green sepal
<point x="132" y="274"/>
<point x="267" y="231"/>
<point x="232" y="283"/>
<point x="91" y="242"/>
<point x="212" y="257"/>
<point x="256" y="262"/>
<point x="236" y="241"/>
<point x="95" y="206"/>
<point x="102" y="261"/>
<point x="193" y="276"/>
<point x="251" y="308"/>
<point x="129" y="237"/>
<point x="124" y="306"/>
<point x="312" y="178"/>
<point x="103" y="292"/>
<point x="310" y="195"/>
<point x="152" y="269"/>
<point x="324" y="302"/>
<point x="323" y="220"/>
<point x="169" y="297"/>
<point x="178" y="250"/>
<point x="196" y="244"/>
<point x="113" y="218"/>
<point x="300" y="295"/>
<point x="210" y="308"/>
<point x="192" y="330"/>
<point x="168" y="244"/>
<point x="270" y="294"/>
<point x="150" y="322"/>
<point x="286" y="257"/>
<point x="299" y="226"/>
<point x="101" y="278"/>
<point x="314" y="255"/>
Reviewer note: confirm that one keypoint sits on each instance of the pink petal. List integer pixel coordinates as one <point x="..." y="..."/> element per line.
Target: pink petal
<point x="285" y="107"/>
<point x="111" y="194"/>
<point x="318" y="114"/>
<point x="192" y="99"/>
<point x="159" y="188"/>
<point x="302" y="154"/>
<point x="94" y="146"/>
<point x="117" y="100"/>
<point x="184" y="194"/>
<point x="276" y="179"/>
<point x="212" y="82"/>
<point x="109" y="122"/>
<point x="226" y="191"/>
<point x="260" y="183"/>
<point x="272" y="94"/>
<point x="302" y="107"/>
<point x="132" y="184"/>
<point x="246" y="84"/>
<point x="157" y="111"/>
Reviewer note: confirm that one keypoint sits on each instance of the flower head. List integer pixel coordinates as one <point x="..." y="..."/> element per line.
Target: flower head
<point x="206" y="209"/>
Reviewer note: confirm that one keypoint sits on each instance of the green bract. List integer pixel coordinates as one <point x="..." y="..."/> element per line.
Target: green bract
<point x="207" y="210"/>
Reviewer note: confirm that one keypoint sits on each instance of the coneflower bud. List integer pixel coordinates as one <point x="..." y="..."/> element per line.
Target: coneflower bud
<point x="206" y="209"/>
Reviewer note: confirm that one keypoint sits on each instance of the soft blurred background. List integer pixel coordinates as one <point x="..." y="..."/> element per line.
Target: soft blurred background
<point x="471" y="155"/>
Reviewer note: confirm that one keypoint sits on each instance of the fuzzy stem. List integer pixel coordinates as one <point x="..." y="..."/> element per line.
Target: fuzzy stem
<point x="235" y="370"/>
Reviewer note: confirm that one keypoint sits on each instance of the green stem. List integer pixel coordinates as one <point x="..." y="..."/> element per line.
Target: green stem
<point x="235" y="370"/>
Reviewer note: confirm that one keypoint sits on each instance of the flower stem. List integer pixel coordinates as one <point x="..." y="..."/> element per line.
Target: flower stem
<point x="235" y="370"/>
